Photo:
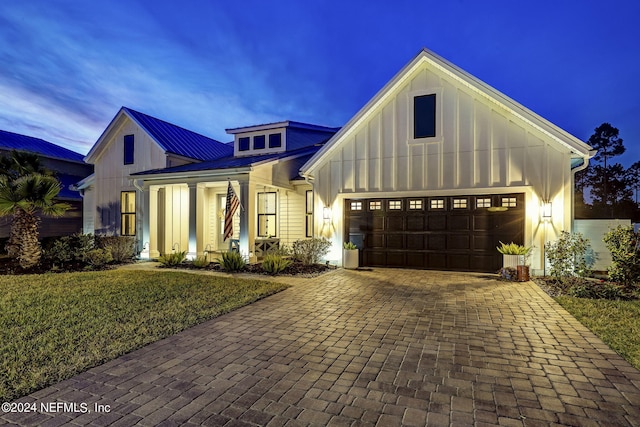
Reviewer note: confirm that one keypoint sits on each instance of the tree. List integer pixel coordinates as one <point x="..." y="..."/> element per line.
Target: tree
<point x="26" y="192"/>
<point x="633" y="179"/>
<point x="605" y="139"/>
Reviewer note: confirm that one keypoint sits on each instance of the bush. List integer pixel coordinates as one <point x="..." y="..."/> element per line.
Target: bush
<point x="232" y="261"/>
<point x="173" y="259"/>
<point x="97" y="258"/>
<point x="624" y="245"/>
<point x="201" y="262"/>
<point x="123" y="248"/>
<point x="69" y="249"/>
<point x="310" y="251"/>
<point x="275" y="263"/>
<point x="568" y="255"/>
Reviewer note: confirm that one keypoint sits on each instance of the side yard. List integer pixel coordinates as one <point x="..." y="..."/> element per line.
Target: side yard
<point x="53" y="326"/>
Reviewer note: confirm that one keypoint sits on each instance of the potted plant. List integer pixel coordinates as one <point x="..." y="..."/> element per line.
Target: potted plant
<point x="350" y="256"/>
<point x="515" y="256"/>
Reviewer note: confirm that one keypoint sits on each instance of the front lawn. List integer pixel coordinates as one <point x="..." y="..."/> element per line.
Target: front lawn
<point x="616" y="322"/>
<point x="53" y="326"/>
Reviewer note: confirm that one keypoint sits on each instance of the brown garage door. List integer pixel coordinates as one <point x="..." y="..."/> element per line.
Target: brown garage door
<point x="443" y="233"/>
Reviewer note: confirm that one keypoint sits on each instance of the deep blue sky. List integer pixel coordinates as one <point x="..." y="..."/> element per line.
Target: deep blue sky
<point x="66" y="67"/>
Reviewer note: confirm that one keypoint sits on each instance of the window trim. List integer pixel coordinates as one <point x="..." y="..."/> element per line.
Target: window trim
<point x="129" y="147"/>
<point x="126" y="214"/>
<point x="438" y="137"/>
<point x="268" y="215"/>
<point x="263" y="142"/>
<point x="272" y="136"/>
<point x="308" y="229"/>
<point x="248" y="143"/>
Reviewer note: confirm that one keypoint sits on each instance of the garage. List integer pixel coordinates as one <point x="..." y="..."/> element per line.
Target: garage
<point x="441" y="233"/>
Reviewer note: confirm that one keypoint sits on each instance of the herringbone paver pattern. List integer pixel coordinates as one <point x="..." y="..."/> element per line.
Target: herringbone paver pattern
<point x="354" y="348"/>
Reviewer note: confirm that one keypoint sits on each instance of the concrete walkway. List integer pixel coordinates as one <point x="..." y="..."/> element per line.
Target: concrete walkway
<point x="354" y="348"/>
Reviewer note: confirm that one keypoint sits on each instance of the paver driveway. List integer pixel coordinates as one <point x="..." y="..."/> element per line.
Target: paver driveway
<point x="383" y="347"/>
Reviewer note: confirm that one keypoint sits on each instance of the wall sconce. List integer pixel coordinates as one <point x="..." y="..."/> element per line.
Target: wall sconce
<point x="546" y="211"/>
<point x="326" y="214"/>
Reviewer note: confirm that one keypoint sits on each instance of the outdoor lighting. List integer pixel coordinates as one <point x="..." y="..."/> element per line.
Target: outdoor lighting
<point x="546" y="211"/>
<point x="326" y="214"/>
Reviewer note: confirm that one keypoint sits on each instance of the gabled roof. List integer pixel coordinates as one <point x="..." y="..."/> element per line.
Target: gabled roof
<point x="14" y="141"/>
<point x="557" y="134"/>
<point x="171" y="138"/>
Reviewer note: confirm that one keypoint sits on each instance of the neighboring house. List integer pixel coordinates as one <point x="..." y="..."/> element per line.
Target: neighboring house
<point x="69" y="168"/>
<point x="433" y="172"/>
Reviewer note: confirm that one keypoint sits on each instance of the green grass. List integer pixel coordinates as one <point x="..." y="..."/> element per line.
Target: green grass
<point x="617" y="323"/>
<point x="54" y="326"/>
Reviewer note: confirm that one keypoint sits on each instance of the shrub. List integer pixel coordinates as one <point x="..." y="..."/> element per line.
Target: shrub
<point x="513" y="249"/>
<point x="349" y="246"/>
<point x="96" y="258"/>
<point x="605" y="290"/>
<point x="568" y="255"/>
<point x="624" y="245"/>
<point x="232" y="261"/>
<point x="169" y="260"/>
<point x="123" y="248"/>
<point x="201" y="262"/>
<point x="275" y="263"/>
<point x="68" y="249"/>
<point x="310" y="251"/>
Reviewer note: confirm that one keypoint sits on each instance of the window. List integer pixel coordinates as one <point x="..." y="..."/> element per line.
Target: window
<point x="395" y="205"/>
<point x="375" y="205"/>
<point x="128" y="213"/>
<point x="309" y="213"/>
<point x="275" y="140"/>
<point x="459" y="203"/>
<point x="424" y="116"/>
<point x="509" y="202"/>
<point x="484" y="202"/>
<point x="356" y="206"/>
<point x="415" y="204"/>
<point x="437" y="204"/>
<point x="258" y="142"/>
<point x="128" y="149"/>
<point x="243" y="143"/>
<point x="267" y="214"/>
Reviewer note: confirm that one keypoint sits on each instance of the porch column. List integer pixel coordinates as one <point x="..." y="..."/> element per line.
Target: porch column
<point x="201" y="215"/>
<point x="193" y="232"/>
<point x="247" y="197"/>
<point x="152" y="214"/>
<point x="143" y="220"/>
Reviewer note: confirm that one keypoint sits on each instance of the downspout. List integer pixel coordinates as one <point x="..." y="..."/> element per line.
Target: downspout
<point x="574" y="170"/>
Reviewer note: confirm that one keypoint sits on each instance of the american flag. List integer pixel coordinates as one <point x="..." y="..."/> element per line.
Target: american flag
<point x="230" y="209"/>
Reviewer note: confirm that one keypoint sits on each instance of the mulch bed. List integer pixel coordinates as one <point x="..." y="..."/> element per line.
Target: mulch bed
<point x="295" y="269"/>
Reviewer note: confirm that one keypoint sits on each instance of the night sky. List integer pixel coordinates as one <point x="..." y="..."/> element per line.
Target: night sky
<point x="66" y="67"/>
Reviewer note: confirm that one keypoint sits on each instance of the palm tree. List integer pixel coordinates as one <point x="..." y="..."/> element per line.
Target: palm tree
<point x="26" y="192"/>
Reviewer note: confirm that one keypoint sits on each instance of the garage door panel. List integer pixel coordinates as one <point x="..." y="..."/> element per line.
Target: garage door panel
<point x="436" y="233"/>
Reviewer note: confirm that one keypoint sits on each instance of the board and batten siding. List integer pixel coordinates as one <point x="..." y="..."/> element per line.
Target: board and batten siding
<point x="292" y="214"/>
<point x="112" y="175"/>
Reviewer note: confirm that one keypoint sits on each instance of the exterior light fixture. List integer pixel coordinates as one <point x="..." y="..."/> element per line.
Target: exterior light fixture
<point x="326" y="214"/>
<point x="546" y="211"/>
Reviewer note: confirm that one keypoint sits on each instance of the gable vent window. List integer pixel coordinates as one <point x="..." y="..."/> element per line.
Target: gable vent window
<point x="243" y="144"/>
<point x="459" y="203"/>
<point x="375" y="206"/>
<point x="395" y="205"/>
<point x="258" y="142"/>
<point x="128" y="149"/>
<point x="509" y="202"/>
<point x="356" y="206"/>
<point x="483" y="202"/>
<point x="275" y="140"/>
<point x="424" y="116"/>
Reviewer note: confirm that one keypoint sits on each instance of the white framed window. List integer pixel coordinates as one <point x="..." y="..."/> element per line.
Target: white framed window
<point x="415" y="205"/>
<point x="509" y="202"/>
<point x="459" y="203"/>
<point x="436" y="204"/>
<point x="483" y="202"/>
<point x="267" y="214"/>
<point x="356" y="206"/>
<point x="128" y="213"/>
<point x="308" y="213"/>
<point x="375" y="205"/>
<point x="395" y="205"/>
<point x="425" y="116"/>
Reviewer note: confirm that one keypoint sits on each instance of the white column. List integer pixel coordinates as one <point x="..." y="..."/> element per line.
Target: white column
<point x="247" y="197"/>
<point x="193" y="229"/>
<point x="152" y="214"/>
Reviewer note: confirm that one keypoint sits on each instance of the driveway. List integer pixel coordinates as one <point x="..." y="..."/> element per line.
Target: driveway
<point x="350" y="348"/>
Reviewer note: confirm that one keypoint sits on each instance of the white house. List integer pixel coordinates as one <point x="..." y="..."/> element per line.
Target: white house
<point x="432" y="172"/>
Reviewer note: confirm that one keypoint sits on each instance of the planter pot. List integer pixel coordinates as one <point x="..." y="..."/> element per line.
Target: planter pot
<point x="511" y="261"/>
<point x="350" y="258"/>
<point x="523" y="273"/>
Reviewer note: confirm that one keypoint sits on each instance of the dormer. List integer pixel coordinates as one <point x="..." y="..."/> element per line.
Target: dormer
<point x="277" y="137"/>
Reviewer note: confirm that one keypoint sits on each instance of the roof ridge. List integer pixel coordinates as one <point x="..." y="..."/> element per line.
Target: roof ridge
<point x="169" y="123"/>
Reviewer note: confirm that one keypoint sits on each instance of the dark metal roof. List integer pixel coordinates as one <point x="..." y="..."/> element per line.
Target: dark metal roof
<point x="176" y="140"/>
<point x="14" y="141"/>
<point x="231" y="162"/>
